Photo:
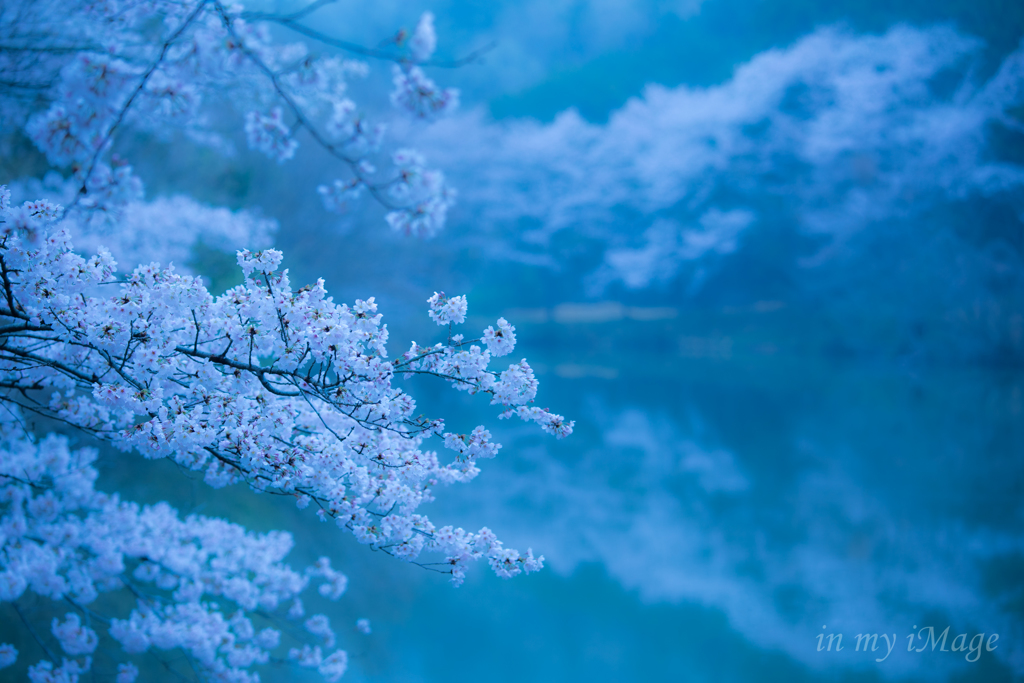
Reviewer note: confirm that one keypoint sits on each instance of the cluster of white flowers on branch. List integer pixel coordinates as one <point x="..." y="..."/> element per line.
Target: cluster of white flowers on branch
<point x="282" y="389"/>
<point x="278" y="388"/>
<point x="77" y="73"/>
<point x="63" y="540"/>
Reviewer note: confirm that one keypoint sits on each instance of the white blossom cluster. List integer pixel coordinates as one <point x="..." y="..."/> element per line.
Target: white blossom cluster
<point x="414" y="92"/>
<point x="280" y="388"/>
<point x="420" y="96"/>
<point x="467" y="370"/>
<point x="424" y="193"/>
<point x="63" y="540"/>
<point x="269" y="135"/>
<point x="76" y="73"/>
<point x="424" y="39"/>
<point x="447" y="310"/>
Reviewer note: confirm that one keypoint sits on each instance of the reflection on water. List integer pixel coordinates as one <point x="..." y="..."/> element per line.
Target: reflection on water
<point x="710" y="517"/>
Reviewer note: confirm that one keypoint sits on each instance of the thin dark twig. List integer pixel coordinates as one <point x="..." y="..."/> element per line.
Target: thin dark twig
<point x="32" y="632"/>
<point x="131" y="99"/>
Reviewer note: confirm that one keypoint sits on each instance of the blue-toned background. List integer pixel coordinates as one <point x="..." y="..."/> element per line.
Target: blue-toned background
<point x="770" y="257"/>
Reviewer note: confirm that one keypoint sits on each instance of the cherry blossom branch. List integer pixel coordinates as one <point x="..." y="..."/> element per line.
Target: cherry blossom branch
<point x="303" y="405"/>
<point x="135" y="93"/>
<point x="296" y="111"/>
<point x="75" y="543"/>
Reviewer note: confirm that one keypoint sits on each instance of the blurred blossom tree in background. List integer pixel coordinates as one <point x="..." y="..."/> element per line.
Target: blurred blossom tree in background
<point x="109" y="331"/>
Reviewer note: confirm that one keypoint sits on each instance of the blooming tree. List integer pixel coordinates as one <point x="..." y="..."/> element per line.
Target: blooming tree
<point x="77" y="73"/>
<point x="276" y="387"/>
